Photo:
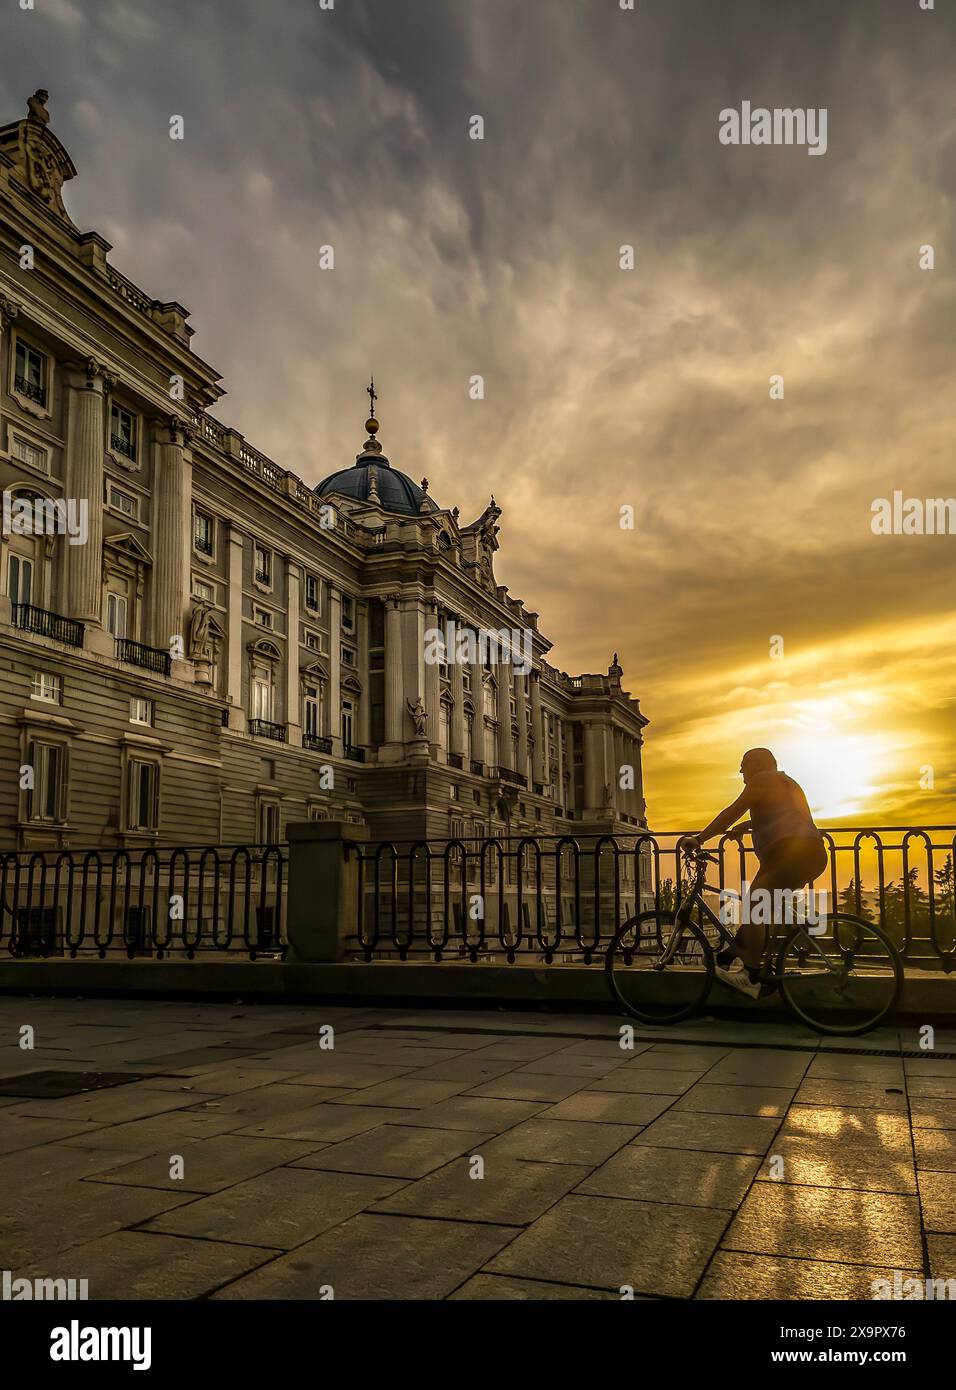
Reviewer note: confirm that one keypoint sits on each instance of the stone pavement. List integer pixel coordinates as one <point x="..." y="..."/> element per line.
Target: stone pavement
<point x="479" y="1155"/>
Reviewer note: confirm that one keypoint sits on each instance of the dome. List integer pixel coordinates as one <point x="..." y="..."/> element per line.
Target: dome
<point x="373" y="479"/>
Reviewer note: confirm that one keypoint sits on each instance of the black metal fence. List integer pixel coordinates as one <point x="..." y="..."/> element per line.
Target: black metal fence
<point x="559" y="899"/>
<point x="160" y="903"/>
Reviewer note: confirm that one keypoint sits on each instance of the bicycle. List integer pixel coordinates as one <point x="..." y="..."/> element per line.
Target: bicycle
<point x="842" y="975"/>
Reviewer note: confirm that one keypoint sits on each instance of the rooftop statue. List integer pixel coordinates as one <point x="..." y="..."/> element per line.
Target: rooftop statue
<point x="36" y="107"/>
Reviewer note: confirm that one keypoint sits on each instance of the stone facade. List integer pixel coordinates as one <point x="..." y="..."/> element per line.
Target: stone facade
<point x="228" y="650"/>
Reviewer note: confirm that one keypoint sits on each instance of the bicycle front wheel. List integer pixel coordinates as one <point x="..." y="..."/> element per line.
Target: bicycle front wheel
<point x="642" y="984"/>
<point x="844" y="980"/>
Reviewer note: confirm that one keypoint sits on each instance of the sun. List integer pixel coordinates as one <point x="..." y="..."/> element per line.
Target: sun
<point x="840" y="773"/>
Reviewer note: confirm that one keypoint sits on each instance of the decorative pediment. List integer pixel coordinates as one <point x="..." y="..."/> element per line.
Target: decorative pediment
<point x="314" y="671"/>
<point x="39" y="162"/>
<point x="264" y="649"/>
<point x="126" y="544"/>
<point x="353" y="685"/>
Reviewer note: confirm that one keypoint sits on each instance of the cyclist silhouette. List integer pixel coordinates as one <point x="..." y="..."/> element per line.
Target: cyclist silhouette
<point x="788" y="846"/>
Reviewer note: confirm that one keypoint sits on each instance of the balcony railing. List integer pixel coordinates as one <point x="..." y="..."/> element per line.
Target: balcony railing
<point x="455" y="760"/>
<point x="548" y="894"/>
<point x="264" y="728"/>
<point x="115" y="903"/>
<point x="317" y="742"/>
<point x="122" y="445"/>
<point x="357" y="755"/>
<point x="505" y="774"/>
<point x="48" y="624"/>
<point x="477" y="768"/>
<point x="149" y="658"/>
<point x="30" y="389"/>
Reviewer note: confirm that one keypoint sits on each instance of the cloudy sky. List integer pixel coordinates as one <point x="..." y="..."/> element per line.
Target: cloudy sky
<point x="604" y="388"/>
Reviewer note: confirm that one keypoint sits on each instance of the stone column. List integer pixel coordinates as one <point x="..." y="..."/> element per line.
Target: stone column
<point x="559" y="726"/>
<point x="172" y="492"/>
<point x="365" y="699"/>
<point x="234" y="619"/>
<point x="594" y="778"/>
<point x="539" y="771"/>
<point x="521" y="702"/>
<point x="394" y="680"/>
<point x="478" y="700"/>
<point x="503" y="672"/>
<point x="85" y="448"/>
<point x="293" y="689"/>
<point x="432" y="683"/>
<point x="456" y="740"/>
<point x="335" y="668"/>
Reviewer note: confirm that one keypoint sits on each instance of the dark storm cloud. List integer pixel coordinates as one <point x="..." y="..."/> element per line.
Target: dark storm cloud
<point x="453" y="257"/>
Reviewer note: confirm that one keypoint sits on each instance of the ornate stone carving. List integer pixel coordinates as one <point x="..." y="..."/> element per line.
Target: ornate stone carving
<point x="36" y="107"/>
<point x="8" y="310"/>
<point x="200" y="636"/>
<point x="418" y="716"/>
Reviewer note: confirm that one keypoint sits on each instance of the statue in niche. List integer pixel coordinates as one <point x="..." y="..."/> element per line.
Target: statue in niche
<point x="200" y="637"/>
<point x="418" y="716"/>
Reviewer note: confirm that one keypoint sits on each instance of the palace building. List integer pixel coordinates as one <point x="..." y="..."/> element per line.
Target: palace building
<point x="222" y="649"/>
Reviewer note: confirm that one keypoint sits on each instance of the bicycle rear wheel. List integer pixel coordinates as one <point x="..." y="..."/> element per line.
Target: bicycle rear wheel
<point x="644" y="987"/>
<point x="844" y="981"/>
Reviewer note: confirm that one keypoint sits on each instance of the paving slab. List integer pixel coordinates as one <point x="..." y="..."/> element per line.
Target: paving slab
<point x="529" y="1086"/>
<point x="473" y="1113"/>
<point x="495" y="1288"/>
<point x="646" y="1081"/>
<point x="547" y="1140"/>
<point x="109" y="1107"/>
<point x="409" y="1092"/>
<point x="208" y="1166"/>
<point x="932" y="1114"/>
<point x="736" y="1100"/>
<point x="280" y="1209"/>
<point x="611" y="1243"/>
<point x="936" y="1149"/>
<point x="510" y="1192"/>
<point x="611" y="1107"/>
<point x="827" y="1223"/>
<point x="133" y="1265"/>
<point x="378" y="1257"/>
<point x="563" y="1064"/>
<point x="856" y="1095"/>
<point x="328" y="1123"/>
<point x="937" y="1192"/>
<point x="19" y="1132"/>
<point x="41" y="1223"/>
<point x="942" y="1257"/>
<point x="738" y="1277"/>
<point x="693" y="1129"/>
<point x="400" y="1151"/>
<point x="681" y="1177"/>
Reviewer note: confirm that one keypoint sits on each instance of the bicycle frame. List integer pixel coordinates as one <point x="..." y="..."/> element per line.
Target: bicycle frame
<point x="694" y="899"/>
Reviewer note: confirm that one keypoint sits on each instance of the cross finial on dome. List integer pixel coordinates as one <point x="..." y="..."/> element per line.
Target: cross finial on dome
<point x="372" y="445"/>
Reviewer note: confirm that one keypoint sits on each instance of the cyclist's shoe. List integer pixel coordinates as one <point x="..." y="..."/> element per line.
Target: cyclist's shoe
<point x="725" y="959"/>
<point x="740" y="979"/>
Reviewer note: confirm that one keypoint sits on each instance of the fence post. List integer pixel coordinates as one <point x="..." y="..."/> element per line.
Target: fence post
<point x="322" y="903"/>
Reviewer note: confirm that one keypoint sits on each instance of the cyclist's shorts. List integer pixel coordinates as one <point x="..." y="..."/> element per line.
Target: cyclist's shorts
<point x="794" y="862"/>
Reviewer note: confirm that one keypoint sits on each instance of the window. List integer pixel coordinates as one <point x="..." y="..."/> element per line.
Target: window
<point x="21" y="579"/>
<point x="203" y="590"/>
<point x="140" y="711"/>
<point x="268" y="822"/>
<point x="262" y="617"/>
<point x="143" y="811"/>
<point x="444" y="727"/>
<point x="203" y="533"/>
<point x="262" y="697"/>
<point x="30" y="454"/>
<point x="46" y="798"/>
<point x="348" y="613"/>
<point x="123" y="432"/>
<point x="312" y="641"/>
<point x="30" y="373"/>
<point x="116" y="611"/>
<point x="47" y="687"/>
<point x="348" y="656"/>
<point x="312" y="716"/>
<point x="263" y="566"/>
<point x="454" y="792"/>
<point x="466" y="678"/>
<point x="348" y="723"/>
<point x="123" y="502"/>
<point x="312" y="592"/>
